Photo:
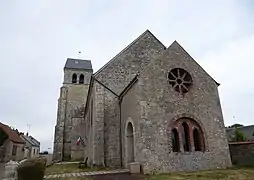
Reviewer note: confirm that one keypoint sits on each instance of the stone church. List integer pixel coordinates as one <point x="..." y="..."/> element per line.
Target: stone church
<point x="150" y="104"/>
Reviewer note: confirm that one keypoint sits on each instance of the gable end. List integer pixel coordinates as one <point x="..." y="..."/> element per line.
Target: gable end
<point x="176" y="43"/>
<point x="126" y="48"/>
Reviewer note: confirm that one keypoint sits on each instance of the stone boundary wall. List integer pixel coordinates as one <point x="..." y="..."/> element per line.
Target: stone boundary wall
<point x="242" y="153"/>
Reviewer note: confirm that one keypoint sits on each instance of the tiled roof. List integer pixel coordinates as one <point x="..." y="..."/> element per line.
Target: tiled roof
<point x="12" y="135"/>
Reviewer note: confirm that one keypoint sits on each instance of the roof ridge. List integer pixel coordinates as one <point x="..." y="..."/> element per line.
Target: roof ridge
<point x="79" y="59"/>
<point x="126" y="48"/>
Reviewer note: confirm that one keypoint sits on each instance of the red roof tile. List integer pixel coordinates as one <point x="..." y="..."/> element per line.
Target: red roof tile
<point x="12" y="135"/>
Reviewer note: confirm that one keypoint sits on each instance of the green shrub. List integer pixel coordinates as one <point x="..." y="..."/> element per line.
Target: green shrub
<point x="239" y="136"/>
<point x="32" y="169"/>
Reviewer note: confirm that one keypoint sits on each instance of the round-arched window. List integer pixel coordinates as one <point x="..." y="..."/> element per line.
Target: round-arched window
<point x="74" y="78"/>
<point x="81" y="79"/>
<point x="188" y="134"/>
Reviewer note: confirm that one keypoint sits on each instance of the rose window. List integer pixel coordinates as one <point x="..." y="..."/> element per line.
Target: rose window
<point x="180" y="80"/>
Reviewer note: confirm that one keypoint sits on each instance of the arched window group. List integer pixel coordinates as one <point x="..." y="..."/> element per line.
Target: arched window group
<point x="81" y="78"/>
<point x="187" y="135"/>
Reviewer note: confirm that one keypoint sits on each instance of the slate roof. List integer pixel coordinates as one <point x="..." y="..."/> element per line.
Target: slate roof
<point x="37" y="143"/>
<point x="30" y="140"/>
<point x="78" y="64"/>
<point x="12" y="135"/>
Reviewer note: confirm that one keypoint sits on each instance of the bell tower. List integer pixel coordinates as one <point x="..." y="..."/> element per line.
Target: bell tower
<point x="71" y="103"/>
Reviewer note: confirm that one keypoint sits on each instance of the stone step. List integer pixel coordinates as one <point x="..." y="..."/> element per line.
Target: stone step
<point x="91" y="173"/>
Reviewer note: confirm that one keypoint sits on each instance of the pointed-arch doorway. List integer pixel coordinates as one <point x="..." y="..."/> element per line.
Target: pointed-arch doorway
<point x="129" y="143"/>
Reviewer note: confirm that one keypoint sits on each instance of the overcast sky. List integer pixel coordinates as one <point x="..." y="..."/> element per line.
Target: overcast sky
<point x="36" y="37"/>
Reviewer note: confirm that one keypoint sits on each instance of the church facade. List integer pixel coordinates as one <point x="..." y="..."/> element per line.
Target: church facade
<point x="152" y="105"/>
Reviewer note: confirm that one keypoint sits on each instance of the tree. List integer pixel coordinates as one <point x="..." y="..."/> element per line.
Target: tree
<point x="235" y="126"/>
<point x="239" y="136"/>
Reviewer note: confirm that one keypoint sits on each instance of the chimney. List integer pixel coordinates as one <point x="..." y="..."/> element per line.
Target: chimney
<point x="27" y="134"/>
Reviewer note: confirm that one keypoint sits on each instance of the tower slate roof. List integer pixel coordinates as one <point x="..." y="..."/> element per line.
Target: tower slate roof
<point x="78" y="64"/>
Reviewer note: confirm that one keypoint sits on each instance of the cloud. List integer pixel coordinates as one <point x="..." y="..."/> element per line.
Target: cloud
<point x="38" y="36"/>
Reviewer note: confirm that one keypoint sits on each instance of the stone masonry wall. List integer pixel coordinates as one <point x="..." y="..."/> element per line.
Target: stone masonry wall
<point x="98" y="131"/>
<point x="131" y="113"/>
<point x="75" y="101"/>
<point x="116" y="75"/>
<point x="59" y="128"/>
<point x="88" y="150"/>
<point x="160" y="105"/>
<point x="77" y="151"/>
<point x="111" y="129"/>
<point x="242" y="153"/>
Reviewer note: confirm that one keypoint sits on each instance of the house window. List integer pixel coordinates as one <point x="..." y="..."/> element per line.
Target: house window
<point x="175" y="141"/>
<point x="74" y="78"/>
<point x="14" y="150"/>
<point x="34" y="151"/>
<point x="81" y="79"/>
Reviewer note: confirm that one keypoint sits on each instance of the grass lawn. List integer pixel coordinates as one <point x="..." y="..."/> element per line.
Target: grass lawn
<point x="68" y="168"/>
<point x="241" y="173"/>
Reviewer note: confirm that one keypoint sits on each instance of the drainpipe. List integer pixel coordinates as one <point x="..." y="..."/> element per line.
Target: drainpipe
<point x="120" y="132"/>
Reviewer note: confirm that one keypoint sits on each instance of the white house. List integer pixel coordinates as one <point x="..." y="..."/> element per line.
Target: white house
<point x="32" y="146"/>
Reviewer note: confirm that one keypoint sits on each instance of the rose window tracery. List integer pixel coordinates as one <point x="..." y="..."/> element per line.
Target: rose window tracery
<point x="180" y="80"/>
